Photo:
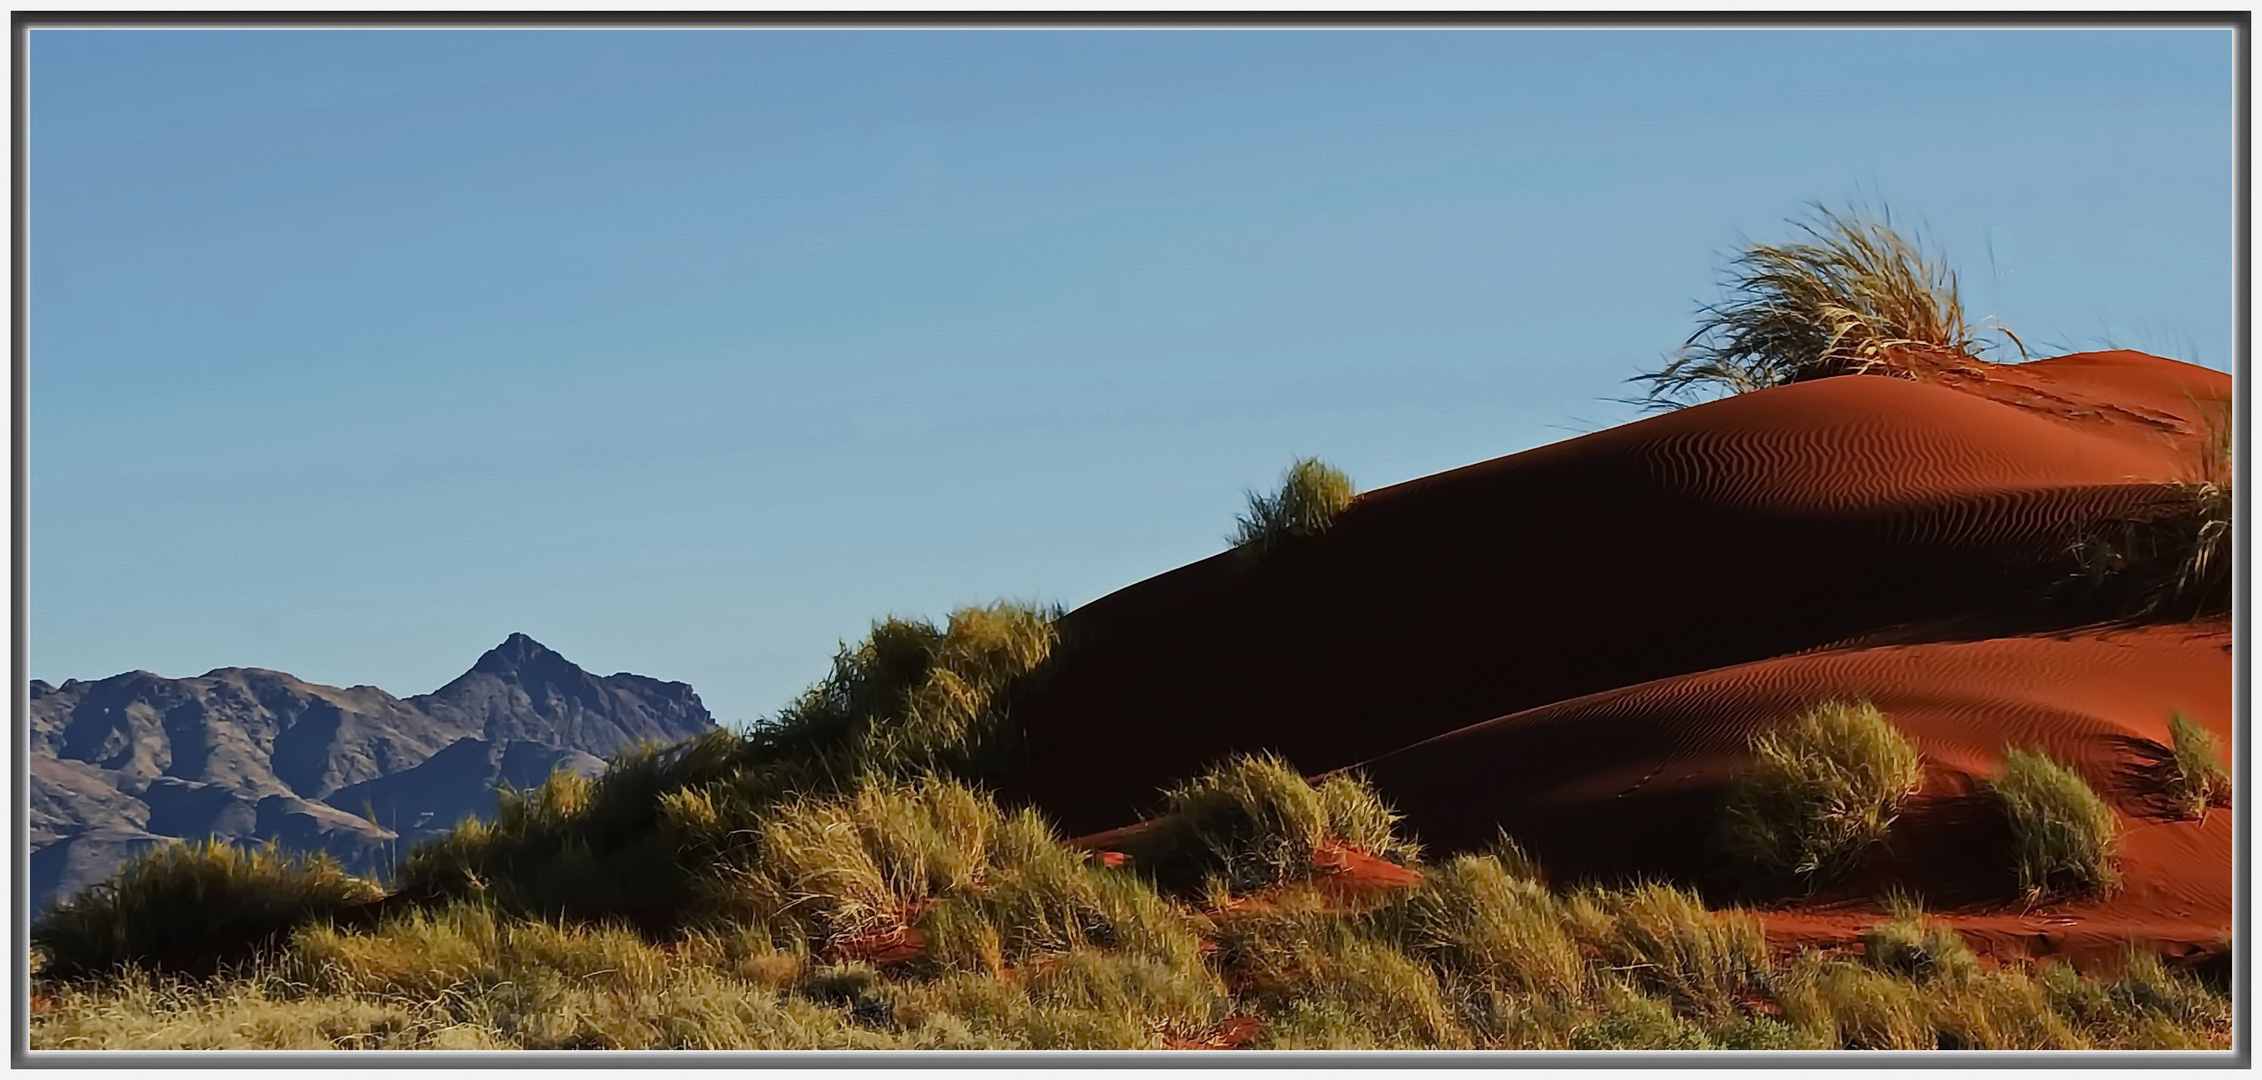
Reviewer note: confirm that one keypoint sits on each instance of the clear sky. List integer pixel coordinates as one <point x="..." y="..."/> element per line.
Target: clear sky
<point x="690" y="352"/>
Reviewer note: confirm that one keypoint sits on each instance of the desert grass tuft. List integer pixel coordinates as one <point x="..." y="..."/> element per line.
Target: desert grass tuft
<point x="2197" y="777"/>
<point x="1254" y="821"/>
<point x="1855" y="297"/>
<point x="2171" y="557"/>
<point x="1502" y="950"/>
<point x="1915" y="947"/>
<point x="192" y="904"/>
<point x="1854" y="1007"/>
<point x="1634" y="1022"/>
<point x="1663" y="940"/>
<point x="1323" y="983"/>
<point x="2064" y="833"/>
<point x="1821" y="792"/>
<point x="932" y="875"/>
<point x="1312" y="494"/>
<point x="912" y="697"/>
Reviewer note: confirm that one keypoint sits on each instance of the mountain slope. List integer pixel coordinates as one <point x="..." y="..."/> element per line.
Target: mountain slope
<point x="247" y="754"/>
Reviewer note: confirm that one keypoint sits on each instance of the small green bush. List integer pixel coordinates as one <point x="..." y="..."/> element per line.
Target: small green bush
<point x="1312" y="494"/>
<point x="1639" y="1023"/>
<point x="2197" y="777"/>
<point x="1255" y="821"/>
<point x="1854" y="1007"/>
<point x="1485" y="927"/>
<point x="1328" y="985"/>
<point x="1664" y="941"/>
<point x="912" y="697"/>
<point x="2065" y="833"/>
<point x="1916" y="948"/>
<point x="190" y="903"/>
<point x="937" y="862"/>
<point x="1821" y="792"/>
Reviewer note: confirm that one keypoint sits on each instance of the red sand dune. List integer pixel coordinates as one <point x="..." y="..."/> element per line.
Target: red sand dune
<point x="1576" y="643"/>
<point x="1624" y="783"/>
<point x="1766" y="524"/>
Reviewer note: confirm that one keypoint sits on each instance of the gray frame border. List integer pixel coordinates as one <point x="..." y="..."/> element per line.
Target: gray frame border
<point x="21" y="1056"/>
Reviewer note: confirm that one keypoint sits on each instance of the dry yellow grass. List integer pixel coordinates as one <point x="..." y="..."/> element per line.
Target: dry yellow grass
<point x="1023" y="942"/>
<point x="1856" y="297"/>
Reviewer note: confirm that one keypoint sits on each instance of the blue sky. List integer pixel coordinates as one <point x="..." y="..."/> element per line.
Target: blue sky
<point x="690" y="352"/>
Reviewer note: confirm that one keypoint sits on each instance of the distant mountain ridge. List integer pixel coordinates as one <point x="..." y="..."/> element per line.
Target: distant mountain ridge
<point x="247" y="754"/>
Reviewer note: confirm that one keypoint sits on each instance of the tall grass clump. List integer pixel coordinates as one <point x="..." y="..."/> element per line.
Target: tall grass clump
<point x="2141" y="1004"/>
<point x="2064" y="833"/>
<point x="1821" y="791"/>
<point x="1501" y="948"/>
<point x="1663" y="940"/>
<point x="579" y="848"/>
<point x="1254" y="821"/>
<point x="191" y="904"/>
<point x="1855" y="297"/>
<point x="2197" y="777"/>
<point x="2170" y="558"/>
<point x="1312" y="494"/>
<point x="934" y="874"/>
<point x="1918" y="948"/>
<point x="912" y="698"/>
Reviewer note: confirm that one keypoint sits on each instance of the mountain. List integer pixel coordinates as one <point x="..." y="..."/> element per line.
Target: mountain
<point x="248" y="755"/>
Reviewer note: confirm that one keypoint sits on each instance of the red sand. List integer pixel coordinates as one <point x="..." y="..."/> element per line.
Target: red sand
<point x="1576" y="642"/>
<point x="1622" y="784"/>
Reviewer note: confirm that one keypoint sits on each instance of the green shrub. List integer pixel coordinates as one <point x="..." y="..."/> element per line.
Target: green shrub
<point x="2197" y="777"/>
<point x="1474" y="921"/>
<point x="1998" y="1010"/>
<point x="2064" y="833"/>
<point x="1917" y="948"/>
<point x="1255" y="822"/>
<point x="910" y="699"/>
<point x="1856" y="299"/>
<point x="1312" y="494"/>
<point x="1663" y="940"/>
<point x="1853" y="1007"/>
<point x="191" y="905"/>
<point x="2142" y="1005"/>
<point x="935" y="862"/>
<point x="1634" y="1022"/>
<point x="1328" y="986"/>
<point x="1821" y="792"/>
<point x="575" y="847"/>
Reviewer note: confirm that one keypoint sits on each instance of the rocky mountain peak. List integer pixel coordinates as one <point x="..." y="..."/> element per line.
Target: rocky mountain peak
<point x="251" y="754"/>
<point x="518" y="652"/>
